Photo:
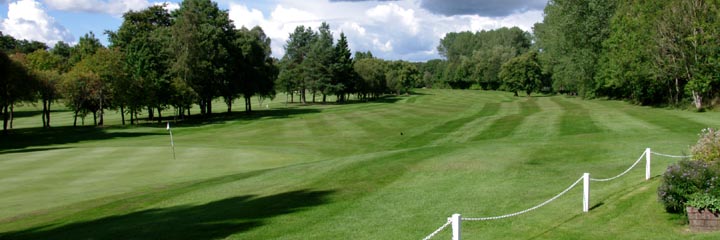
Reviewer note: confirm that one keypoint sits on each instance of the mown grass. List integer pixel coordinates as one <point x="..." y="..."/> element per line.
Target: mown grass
<point x="394" y="169"/>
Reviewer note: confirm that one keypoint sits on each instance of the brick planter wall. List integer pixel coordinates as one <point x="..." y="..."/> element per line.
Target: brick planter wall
<point x="703" y="221"/>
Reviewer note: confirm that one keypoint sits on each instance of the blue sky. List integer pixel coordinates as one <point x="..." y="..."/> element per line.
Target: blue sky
<point x="391" y="29"/>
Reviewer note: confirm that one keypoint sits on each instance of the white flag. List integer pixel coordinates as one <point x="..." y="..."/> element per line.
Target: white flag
<point x="168" y="126"/>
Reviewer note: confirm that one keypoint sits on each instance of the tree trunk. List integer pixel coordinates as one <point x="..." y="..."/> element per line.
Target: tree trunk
<point x="95" y="118"/>
<point x="44" y="112"/>
<point x="697" y="101"/>
<point x="48" y="112"/>
<point x="324" y="97"/>
<point x="151" y="113"/>
<point x="248" y="104"/>
<point x="202" y="107"/>
<point x="132" y="119"/>
<point x="75" y="119"/>
<point x="122" y="114"/>
<point x="4" y="111"/>
<point x="229" y="104"/>
<point x="12" y="114"/>
<point x="303" y="98"/>
<point x="102" y="110"/>
<point x="159" y="115"/>
<point x="209" y="106"/>
<point x="313" y="96"/>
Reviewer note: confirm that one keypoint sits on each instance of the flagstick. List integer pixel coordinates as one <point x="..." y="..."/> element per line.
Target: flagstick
<point x="172" y="143"/>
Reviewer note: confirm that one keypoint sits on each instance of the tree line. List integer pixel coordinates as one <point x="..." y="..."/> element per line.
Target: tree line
<point x="646" y="52"/>
<point x="317" y="65"/>
<point x="191" y="56"/>
<point x="500" y="59"/>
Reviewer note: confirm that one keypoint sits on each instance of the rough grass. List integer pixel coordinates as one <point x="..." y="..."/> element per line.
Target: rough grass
<point x="393" y="169"/>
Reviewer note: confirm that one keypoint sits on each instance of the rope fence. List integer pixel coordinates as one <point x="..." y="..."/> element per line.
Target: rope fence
<point x="621" y="174"/>
<point x="456" y="219"/>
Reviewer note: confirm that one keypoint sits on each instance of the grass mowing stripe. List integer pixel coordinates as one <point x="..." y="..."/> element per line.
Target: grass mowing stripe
<point x="381" y="192"/>
<point x="506" y="125"/>
<point x="543" y="124"/>
<point x="576" y="119"/>
<point x="668" y="121"/>
<point x="448" y="127"/>
<point x="459" y="126"/>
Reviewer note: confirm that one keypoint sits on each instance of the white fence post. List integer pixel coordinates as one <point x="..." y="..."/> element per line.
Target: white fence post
<point x="455" y="226"/>
<point x="647" y="163"/>
<point x="586" y="192"/>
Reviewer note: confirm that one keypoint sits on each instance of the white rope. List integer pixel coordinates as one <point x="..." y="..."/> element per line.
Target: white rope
<point x="621" y="174"/>
<point x="438" y="230"/>
<point x="671" y="156"/>
<point x="526" y="210"/>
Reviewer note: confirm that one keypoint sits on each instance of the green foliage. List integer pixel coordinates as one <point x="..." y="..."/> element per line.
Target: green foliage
<point x="476" y="58"/>
<point x="371" y="71"/>
<point x="401" y="76"/>
<point x="707" y="147"/>
<point x="201" y="38"/>
<point x="705" y="201"/>
<point x="255" y="71"/>
<point x="296" y="74"/>
<point x="694" y="183"/>
<point x="522" y="73"/>
<point x="684" y="179"/>
<point x="343" y="79"/>
<point x="571" y="37"/>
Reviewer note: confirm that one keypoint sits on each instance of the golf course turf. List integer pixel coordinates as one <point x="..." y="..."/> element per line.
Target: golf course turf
<point x="390" y="169"/>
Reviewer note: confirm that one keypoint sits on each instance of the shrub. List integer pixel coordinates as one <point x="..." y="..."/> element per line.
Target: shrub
<point x="695" y="182"/>
<point x="708" y="146"/>
<point x="684" y="179"/>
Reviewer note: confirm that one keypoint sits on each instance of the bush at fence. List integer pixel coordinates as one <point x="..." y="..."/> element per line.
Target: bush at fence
<point x="694" y="182"/>
<point x="708" y="146"/>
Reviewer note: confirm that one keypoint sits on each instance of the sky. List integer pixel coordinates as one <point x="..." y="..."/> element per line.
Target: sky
<point x="390" y="29"/>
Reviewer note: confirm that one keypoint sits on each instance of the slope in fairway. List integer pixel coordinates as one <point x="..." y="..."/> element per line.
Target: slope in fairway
<point x="394" y="169"/>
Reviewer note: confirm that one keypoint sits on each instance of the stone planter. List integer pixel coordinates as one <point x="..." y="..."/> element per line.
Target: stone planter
<point x="703" y="221"/>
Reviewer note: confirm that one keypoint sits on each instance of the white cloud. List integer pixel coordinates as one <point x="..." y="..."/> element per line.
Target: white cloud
<point x="26" y="19"/>
<point x="170" y="6"/>
<point x="392" y="13"/>
<point x="112" y="7"/>
<point x="401" y="29"/>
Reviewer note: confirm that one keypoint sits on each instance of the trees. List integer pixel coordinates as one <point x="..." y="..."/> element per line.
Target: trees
<point x="687" y="41"/>
<point x="343" y="75"/>
<point x="522" y="73"/>
<point x="255" y="68"/>
<point x="571" y="37"/>
<point x="89" y="86"/>
<point x="295" y="70"/>
<point x="320" y="60"/>
<point x="46" y="68"/>
<point x="476" y="58"/>
<point x="143" y="39"/>
<point x="201" y="35"/>
<point x="401" y="76"/>
<point x="371" y="72"/>
<point x="15" y="85"/>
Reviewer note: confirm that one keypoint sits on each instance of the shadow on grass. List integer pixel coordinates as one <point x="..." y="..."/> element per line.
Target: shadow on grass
<point x="18" y="139"/>
<point x="33" y="113"/>
<point x="27" y="150"/>
<point x="223" y="117"/>
<point x="218" y="219"/>
<point x="383" y="99"/>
